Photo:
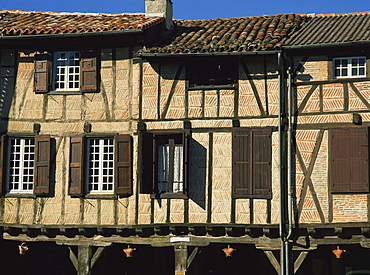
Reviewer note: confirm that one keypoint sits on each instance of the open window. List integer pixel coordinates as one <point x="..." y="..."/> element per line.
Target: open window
<point x="25" y="164"/>
<point x="66" y="71"/>
<point x="348" y="160"/>
<point x="101" y="165"/>
<point x="251" y="169"/>
<point x="212" y="72"/>
<point x="165" y="164"/>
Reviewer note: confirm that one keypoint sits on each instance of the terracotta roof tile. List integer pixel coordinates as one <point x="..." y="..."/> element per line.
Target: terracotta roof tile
<point x="331" y="28"/>
<point x="34" y="22"/>
<point x="226" y="34"/>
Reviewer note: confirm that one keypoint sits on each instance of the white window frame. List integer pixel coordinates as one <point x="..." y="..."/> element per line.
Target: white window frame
<point x="103" y="157"/>
<point x="66" y="71"/>
<point x="24" y="169"/>
<point x="349" y="67"/>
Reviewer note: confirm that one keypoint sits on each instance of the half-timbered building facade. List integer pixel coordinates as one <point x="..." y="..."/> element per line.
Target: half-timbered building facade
<point x="179" y="138"/>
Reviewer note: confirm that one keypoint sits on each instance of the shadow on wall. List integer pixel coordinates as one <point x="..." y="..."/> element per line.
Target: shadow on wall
<point x="197" y="173"/>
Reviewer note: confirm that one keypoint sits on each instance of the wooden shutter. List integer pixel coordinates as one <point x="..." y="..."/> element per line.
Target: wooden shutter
<point x="88" y="71"/>
<point x="261" y="163"/>
<point x="42" y="73"/>
<point x="241" y="167"/>
<point x="123" y="161"/>
<point x="147" y="163"/>
<point x="76" y="172"/>
<point x="359" y="155"/>
<point x="186" y="144"/>
<point x="42" y="165"/>
<point x="2" y="163"/>
<point x="348" y="159"/>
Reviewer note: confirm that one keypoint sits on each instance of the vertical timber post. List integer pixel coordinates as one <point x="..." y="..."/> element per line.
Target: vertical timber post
<point x="181" y="256"/>
<point x="84" y="257"/>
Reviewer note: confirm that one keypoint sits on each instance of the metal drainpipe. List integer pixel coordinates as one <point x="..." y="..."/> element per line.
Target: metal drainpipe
<point x="289" y="169"/>
<point x="281" y="165"/>
<point x="285" y="225"/>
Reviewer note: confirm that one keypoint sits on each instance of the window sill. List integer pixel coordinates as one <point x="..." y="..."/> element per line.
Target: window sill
<point x="102" y="196"/>
<point x="169" y="196"/>
<point x="20" y="195"/>
<point x="67" y="92"/>
<point x="212" y="87"/>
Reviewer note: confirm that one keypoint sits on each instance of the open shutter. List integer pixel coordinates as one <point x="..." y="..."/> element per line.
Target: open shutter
<point x="123" y="161"/>
<point x="359" y="155"/>
<point x="261" y="163"/>
<point x="339" y="175"/>
<point x="42" y="165"/>
<point x="76" y="175"/>
<point x="2" y="164"/>
<point x="186" y="143"/>
<point x="89" y="72"/>
<point x="241" y="174"/>
<point x="147" y="163"/>
<point x="42" y="73"/>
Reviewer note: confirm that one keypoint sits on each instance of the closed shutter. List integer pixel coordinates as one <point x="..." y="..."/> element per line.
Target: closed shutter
<point x="42" y="165"/>
<point x="261" y="163"/>
<point x="2" y="164"/>
<point x="186" y="143"/>
<point x="359" y="166"/>
<point x="76" y="175"/>
<point x="241" y="168"/>
<point x="147" y="163"/>
<point x="348" y="159"/>
<point x="42" y="73"/>
<point x="89" y="74"/>
<point x="339" y="160"/>
<point x="123" y="160"/>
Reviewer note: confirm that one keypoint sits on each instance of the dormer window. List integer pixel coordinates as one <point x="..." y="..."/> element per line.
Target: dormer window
<point x="349" y="67"/>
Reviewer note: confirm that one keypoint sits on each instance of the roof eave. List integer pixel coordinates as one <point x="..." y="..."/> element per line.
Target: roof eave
<point x="208" y="54"/>
<point x="327" y="45"/>
<point x="102" y="33"/>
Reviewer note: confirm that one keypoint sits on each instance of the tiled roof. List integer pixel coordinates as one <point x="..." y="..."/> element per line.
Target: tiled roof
<point x="331" y="28"/>
<point x="34" y="22"/>
<point x="227" y="34"/>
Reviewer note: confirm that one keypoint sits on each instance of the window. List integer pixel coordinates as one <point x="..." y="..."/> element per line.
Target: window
<point x="251" y="169"/>
<point x="21" y="152"/>
<point x="106" y="169"/>
<point x="346" y="67"/>
<point x="348" y="159"/>
<point x="212" y="72"/>
<point x="164" y="164"/>
<point x="66" y="71"/>
<point x="71" y="71"/>
<point x="25" y="162"/>
<point x="100" y="165"/>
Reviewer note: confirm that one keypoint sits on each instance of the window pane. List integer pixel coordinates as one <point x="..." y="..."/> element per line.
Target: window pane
<point x="163" y="167"/>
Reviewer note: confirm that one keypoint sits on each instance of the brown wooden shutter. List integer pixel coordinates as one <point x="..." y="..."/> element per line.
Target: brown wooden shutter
<point x="186" y="144"/>
<point x="348" y="159"/>
<point x="359" y="155"/>
<point x="123" y="161"/>
<point x="89" y="72"/>
<point x="261" y="163"/>
<point x="42" y="73"/>
<point x="241" y="167"/>
<point x="42" y="165"/>
<point x="76" y="172"/>
<point x="339" y="175"/>
<point x="2" y="163"/>
<point x="147" y="163"/>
